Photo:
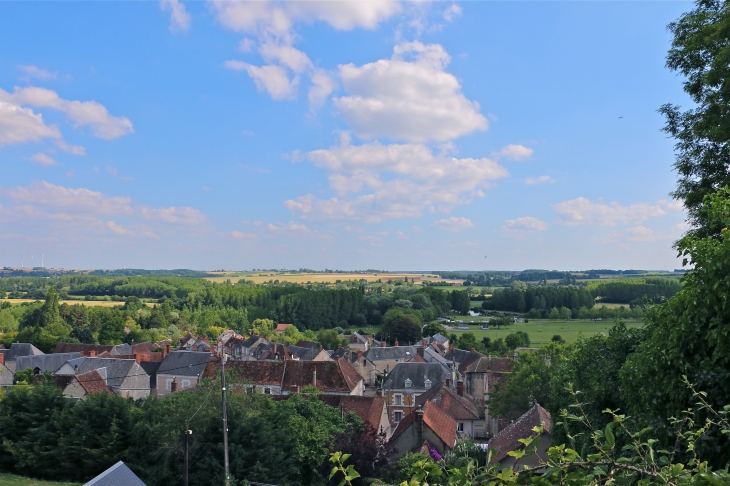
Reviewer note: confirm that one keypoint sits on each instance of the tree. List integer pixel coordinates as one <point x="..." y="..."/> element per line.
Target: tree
<point x="112" y="331"/>
<point x="689" y="334"/>
<point x="460" y="302"/>
<point x="262" y="327"/>
<point x="699" y="52"/>
<point x="329" y="339"/>
<point x="433" y="328"/>
<point x="468" y="341"/>
<point x="518" y="339"/>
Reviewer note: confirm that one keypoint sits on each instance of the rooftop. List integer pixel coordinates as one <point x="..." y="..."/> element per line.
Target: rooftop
<point x="509" y="439"/>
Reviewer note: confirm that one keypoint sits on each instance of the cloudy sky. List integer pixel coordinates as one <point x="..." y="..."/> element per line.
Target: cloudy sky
<point x="348" y="135"/>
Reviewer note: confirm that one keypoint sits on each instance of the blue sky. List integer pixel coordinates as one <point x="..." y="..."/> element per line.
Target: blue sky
<point x="349" y="135"/>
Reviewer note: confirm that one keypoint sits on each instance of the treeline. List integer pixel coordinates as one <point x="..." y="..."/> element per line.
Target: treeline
<point x="634" y="290"/>
<point x="322" y="309"/>
<point x="539" y="298"/>
<point x="45" y="435"/>
<point x="129" y="272"/>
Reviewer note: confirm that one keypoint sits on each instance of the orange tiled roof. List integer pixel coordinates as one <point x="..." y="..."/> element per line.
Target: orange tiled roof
<point x="509" y="439"/>
<point x="92" y="382"/>
<point x="435" y="419"/>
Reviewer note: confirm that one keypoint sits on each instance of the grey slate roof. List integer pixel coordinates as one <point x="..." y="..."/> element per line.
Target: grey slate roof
<point x="439" y="338"/>
<point x="457" y="355"/>
<point x="417" y="373"/>
<point x="182" y="363"/>
<point x="45" y="362"/>
<point x="117" y="370"/>
<point x="390" y="353"/>
<point x="117" y="475"/>
<point x="305" y="354"/>
<point x="21" y="349"/>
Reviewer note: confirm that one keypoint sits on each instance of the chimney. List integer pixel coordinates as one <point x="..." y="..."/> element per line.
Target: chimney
<point x="379" y="392"/>
<point x="92" y="354"/>
<point x="295" y="388"/>
<point x="382" y="344"/>
<point x="448" y="382"/>
<point x="173" y="385"/>
<point x="359" y="355"/>
<point x="320" y="348"/>
<point x="164" y="352"/>
<point x="195" y="348"/>
<point x="423" y="342"/>
<point x="419" y="424"/>
<point x="473" y="349"/>
<point x="314" y="381"/>
<point x="420" y="351"/>
<point x="339" y="345"/>
<point x="460" y="388"/>
<point x="167" y="348"/>
<point x="138" y="357"/>
<point x="451" y="346"/>
<point x="2" y="358"/>
<point x="396" y="341"/>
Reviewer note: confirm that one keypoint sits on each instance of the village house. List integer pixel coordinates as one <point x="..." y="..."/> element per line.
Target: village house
<point x="125" y="377"/>
<point x="508" y="440"/>
<point x="281" y="328"/>
<point x="423" y="428"/>
<point x="85" y="384"/>
<point x="310" y="353"/>
<point x="380" y="360"/>
<point x="371" y="410"/>
<point x="276" y="352"/>
<point x="180" y="370"/>
<point x="6" y="376"/>
<point x="405" y="383"/>
<point x="357" y="341"/>
<point x="244" y="349"/>
<point x="288" y="377"/>
<point x="16" y="350"/>
<point x="40" y="363"/>
<point x="481" y="375"/>
<point x="457" y="405"/>
<point x="93" y="349"/>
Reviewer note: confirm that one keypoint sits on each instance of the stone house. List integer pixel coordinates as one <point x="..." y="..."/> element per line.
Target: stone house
<point x="380" y="360"/>
<point x="423" y="427"/>
<point x="457" y="405"/>
<point x="85" y="384"/>
<point x="124" y="377"/>
<point x="184" y="368"/>
<point x="406" y="382"/>
<point x="44" y="362"/>
<point x="6" y="376"/>
<point x="310" y="353"/>
<point x="371" y="410"/>
<point x="508" y="440"/>
<point x="15" y="351"/>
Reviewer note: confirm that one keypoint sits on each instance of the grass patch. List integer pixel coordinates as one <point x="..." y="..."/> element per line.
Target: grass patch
<point x="13" y="480"/>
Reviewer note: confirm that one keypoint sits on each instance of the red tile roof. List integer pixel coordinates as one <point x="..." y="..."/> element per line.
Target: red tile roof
<point x="448" y="400"/>
<point x="435" y="419"/>
<point x="369" y="409"/>
<point x="282" y="327"/>
<point x="92" y="382"/>
<point x="259" y="372"/>
<point x="509" y="439"/>
<point x="81" y="348"/>
<point x="418" y="359"/>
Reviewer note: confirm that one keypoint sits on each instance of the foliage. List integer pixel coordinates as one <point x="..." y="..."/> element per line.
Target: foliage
<point x="628" y="290"/>
<point x="433" y="328"/>
<point x="540" y="298"/>
<point x="467" y="341"/>
<point x="519" y="339"/>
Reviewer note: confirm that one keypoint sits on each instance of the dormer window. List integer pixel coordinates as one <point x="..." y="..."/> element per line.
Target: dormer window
<point x="427" y="383"/>
<point x="408" y="383"/>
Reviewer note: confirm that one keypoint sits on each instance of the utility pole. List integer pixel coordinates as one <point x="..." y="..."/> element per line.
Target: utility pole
<point x="188" y="433"/>
<point x="225" y="421"/>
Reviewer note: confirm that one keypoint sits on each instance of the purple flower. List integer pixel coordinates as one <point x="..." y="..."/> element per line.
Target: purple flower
<point x="435" y="454"/>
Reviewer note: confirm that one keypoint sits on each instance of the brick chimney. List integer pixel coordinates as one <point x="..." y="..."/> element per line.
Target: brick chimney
<point x="423" y="342"/>
<point x="382" y="344"/>
<point x="448" y="382"/>
<point x="92" y="354"/>
<point x="173" y="385"/>
<point x="473" y="349"/>
<point x="451" y="346"/>
<point x="167" y="348"/>
<point x="420" y="351"/>
<point x="138" y="357"/>
<point x="195" y="348"/>
<point x="396" y="341"/>
<point x="460" y="388"/>
<point x="379" y="392"/>
<point x="419" y="424"/>
<point x="2" y="358"/>
<point x="320" y="348"/>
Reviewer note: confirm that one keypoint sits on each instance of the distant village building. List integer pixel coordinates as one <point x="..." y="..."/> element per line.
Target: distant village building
<point x="424" y="428"/>
<point x="508" y="440"/>
<point x="406" y="382"/>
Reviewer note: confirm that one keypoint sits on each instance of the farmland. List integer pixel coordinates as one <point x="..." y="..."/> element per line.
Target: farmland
<point x="262" y="277"/>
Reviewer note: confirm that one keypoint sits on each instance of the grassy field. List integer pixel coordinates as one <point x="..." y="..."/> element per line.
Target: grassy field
<point x="12" y="480"/>
<point x="89" y="303"/>
<point x="541" y="331"/>
<point x="327" y="277"/>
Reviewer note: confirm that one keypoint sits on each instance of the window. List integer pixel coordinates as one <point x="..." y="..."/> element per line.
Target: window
<point x="408" y="383"/>
<point x="397" y="416"/>
<point x="186" y="383"/>
<point x="398" y="399"/>
<point x="460" y="427"/>
<point x="267" y="391"/>
<point x="168" y="385"/>
<point x="427" y="383"/>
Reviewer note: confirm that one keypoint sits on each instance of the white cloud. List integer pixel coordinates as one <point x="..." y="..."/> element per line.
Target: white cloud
<point x="290" y="226"/>
<point x="400" y="180"/>
<point x="81" y="113"/>
<point x="452" y="12"/>
<point x="372" y="240"/>
<point x="113" y="171"/>
<point x="581" y="211"/>
<point x="521" y="227"/>
<point x="322" y="86"/>
<point x="271" y="78"/>
<point x="56" y="198"/>
<point x="43" y="159"/>
<point x="72" y="149"/>
<point x="514" y="152"/>
<point x="543" y="179"/>
<point x="32" y="72"/>
<point x="240" y="235"/>
<point x="179" y="17"/>
<point x="414" y="100"/>
<point x="174" y="215"/>
<point x="453" y="224"/>
<point x="286" y="55"/>
<point x="19" y="125"/>
<point x="118" y="229"/>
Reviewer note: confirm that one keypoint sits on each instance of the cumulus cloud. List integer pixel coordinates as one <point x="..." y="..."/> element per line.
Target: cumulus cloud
<point x="543" y="179"/>
<point x="271" y="78"/>
<point x="398" y="180"/>
<point x="514" y="152"/>
<point x="272" y="23"/>
<point x="581" y="211"/>
<point x="179" y="17"/>
<point x="452" y="12"/>
<point x="43" y="159"/>
<point x="118" y="229"/>
<point x="174" y="215"/>
<point x="34" y="72"/>
<point x="453" y="224"/>
<point x="521" y="227"/>
<point x="18" y="124"/>
<point x="408" y="97"/>
<point x="240" y="235"/>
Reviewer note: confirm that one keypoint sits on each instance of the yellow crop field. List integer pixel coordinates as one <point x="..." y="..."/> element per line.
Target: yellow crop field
<point x="88" y="303"/>
<point x="329" y="277"/>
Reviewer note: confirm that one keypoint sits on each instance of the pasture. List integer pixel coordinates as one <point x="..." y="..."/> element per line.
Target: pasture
<point x="13" y="480"/>
<point x="303" y="278"/>
<point x="541" y="331"/>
